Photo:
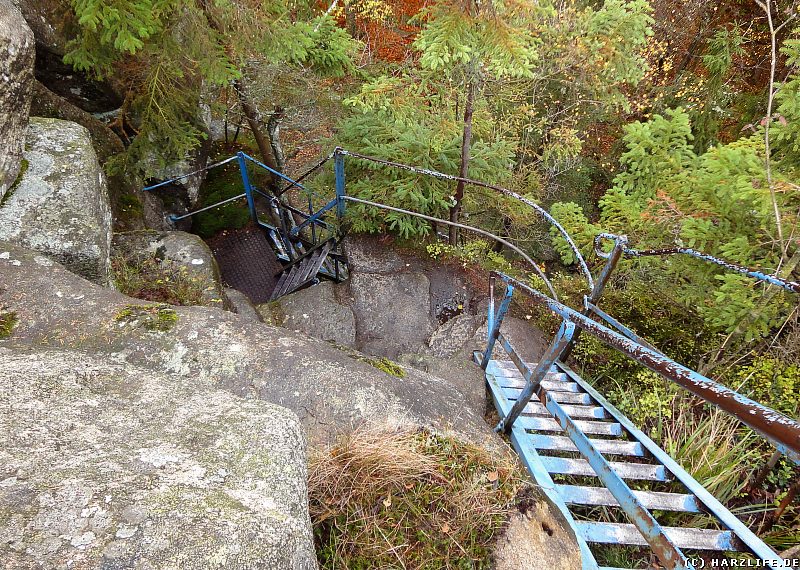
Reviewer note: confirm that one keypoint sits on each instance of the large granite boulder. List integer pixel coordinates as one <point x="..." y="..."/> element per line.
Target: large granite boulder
<point x="109" y="466"/>
<point x="17" y="54"/>
<point x="331" y="390"/>
<point x="407" y="307"/>
<point x="60" y="204"/>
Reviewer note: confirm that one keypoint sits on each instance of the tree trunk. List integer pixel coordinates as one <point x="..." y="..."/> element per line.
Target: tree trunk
<point x="264" y="147"/>
<point x="274" y="132"/>
<point x="466" y="144"/>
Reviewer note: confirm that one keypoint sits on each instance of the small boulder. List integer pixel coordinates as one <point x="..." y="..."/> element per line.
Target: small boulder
<point x="59" y="205"/>
<point x="107" y="465"/>
<point x="537" y="538"/>
<point x="242" y="306"/>
<point x="174" y="251"/>
<point x="17" y="54"/>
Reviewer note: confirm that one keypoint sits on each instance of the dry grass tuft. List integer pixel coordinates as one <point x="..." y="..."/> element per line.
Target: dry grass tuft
<point x="404" y="498"/>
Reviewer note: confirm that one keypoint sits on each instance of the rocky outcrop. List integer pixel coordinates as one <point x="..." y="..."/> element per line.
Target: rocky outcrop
<point x="106" y="465"/>
<point x="17" y="55"/>
<point x="128" y="203"/>
<point x="408" y="308"/>
<point x="330" y="390"/>
<point x="315" y="311"/>
<point x="60" y="204"/>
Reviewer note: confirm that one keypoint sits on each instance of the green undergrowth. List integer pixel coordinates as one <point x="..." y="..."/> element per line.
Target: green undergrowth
<point x="8" y="320"/>
<point x="220" y="184"/>
<point x="150" y="278"/>
<point x="403" y="498"/>
<point x="153" y="318"/>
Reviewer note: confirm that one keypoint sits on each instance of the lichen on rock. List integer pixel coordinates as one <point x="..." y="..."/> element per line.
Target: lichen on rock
<point x="60" y="204"/>
<point x="112" y="466"/>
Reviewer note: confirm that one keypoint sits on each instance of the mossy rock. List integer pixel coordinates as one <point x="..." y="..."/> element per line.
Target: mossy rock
<point x="154" y="318"/>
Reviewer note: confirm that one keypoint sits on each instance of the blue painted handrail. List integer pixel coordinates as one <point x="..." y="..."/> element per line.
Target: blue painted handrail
<point x="752" y="273"/>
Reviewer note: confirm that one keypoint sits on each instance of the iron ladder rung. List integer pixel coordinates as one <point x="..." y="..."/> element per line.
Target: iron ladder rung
<point x="539" y="423"/>
<point x="600" y="496"/>
<point x="691" y="538"/>
<point x="640" y="471"/>
<point x="609" y="446"/>
<point x="537" y="408"/>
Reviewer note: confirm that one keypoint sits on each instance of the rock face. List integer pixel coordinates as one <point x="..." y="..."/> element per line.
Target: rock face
<point x="60" y="204"/>
<point x="17" y="54"/>
<point x="407" y="308"/>
<point x="106" y="465"/>
<point x="315" y="311"/>
<point x="330" y="390"/>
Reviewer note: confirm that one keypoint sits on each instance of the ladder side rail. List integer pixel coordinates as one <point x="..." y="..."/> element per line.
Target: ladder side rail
<point x="521" y="442"/>
<point x="532" y="382"/>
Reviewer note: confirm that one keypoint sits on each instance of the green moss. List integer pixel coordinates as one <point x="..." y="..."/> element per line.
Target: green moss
<point x="8" y="320"/>
<point x="221" y="184"/>
<point x="23" y="168"/>
<point x="383" y="364"/>
<point x="273" y="313"/>
<point x="386" y="365"/>
<point x="154" y="318"/>
<point x="130" y="204"/>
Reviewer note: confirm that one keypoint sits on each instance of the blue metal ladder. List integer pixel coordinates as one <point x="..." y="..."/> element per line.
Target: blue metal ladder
<point x="562" y="427"/>
<point x="538" y="437"/>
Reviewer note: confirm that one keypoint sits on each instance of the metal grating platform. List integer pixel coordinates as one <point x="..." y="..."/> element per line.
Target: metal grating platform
<point x="247" y="262"/>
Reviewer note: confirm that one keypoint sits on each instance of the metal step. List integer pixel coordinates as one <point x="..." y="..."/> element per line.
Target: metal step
<point x="600" y="496"/>
<point x="692" y="538"/>
<point x="537" y="408"/>
<point x="589" y="427"/>
<point x="610" y="446"/>
<point x="641" y="471"/>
